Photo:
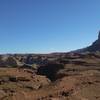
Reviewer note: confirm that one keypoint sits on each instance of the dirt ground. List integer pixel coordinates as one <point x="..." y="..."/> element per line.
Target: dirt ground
<point x="79" y="79"/>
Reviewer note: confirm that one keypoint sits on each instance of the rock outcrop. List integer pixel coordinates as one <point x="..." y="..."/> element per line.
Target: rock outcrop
<point x="92" y="48"/>
<point x="95" y="46"/>
<point x="8" y="61"/>
<point x="97" y="42"/>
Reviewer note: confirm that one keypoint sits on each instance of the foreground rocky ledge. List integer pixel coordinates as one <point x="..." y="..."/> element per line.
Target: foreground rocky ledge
<point x="70" y="77"/>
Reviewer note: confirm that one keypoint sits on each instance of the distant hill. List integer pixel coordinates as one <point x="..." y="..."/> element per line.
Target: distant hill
<point x="92" y="48"/>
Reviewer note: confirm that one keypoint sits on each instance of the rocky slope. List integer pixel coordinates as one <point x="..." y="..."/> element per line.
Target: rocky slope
<point x="92" y="48"/>
<point x="70" y="77"/>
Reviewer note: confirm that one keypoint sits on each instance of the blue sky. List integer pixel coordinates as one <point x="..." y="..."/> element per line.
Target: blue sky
<point x="43" y="26"/>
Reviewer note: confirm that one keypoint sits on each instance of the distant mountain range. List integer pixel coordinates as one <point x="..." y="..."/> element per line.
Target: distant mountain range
<point x="41" y="59"/>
